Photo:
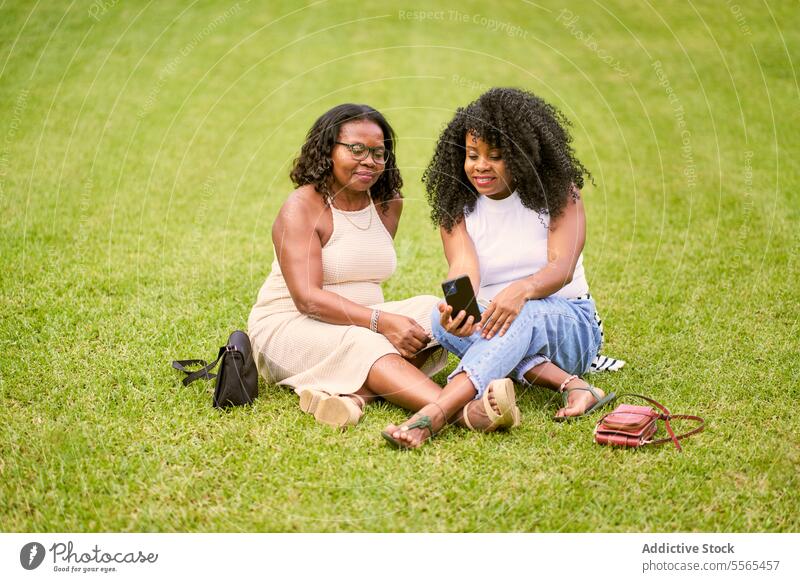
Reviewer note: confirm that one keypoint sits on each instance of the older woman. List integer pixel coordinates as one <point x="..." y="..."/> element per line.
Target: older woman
<point x="320" y="324"/>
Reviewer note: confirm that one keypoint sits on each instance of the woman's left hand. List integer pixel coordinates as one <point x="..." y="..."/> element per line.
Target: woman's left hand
<point x="503" y="310"/>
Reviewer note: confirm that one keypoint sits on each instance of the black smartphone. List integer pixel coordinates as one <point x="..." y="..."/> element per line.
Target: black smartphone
<point x="459" y="295"/>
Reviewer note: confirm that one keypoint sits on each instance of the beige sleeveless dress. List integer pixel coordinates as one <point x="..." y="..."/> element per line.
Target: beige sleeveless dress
<point x="295" y="350"/>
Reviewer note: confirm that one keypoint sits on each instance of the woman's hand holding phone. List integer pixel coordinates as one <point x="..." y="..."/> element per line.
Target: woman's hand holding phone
<point x="461" y="325"/>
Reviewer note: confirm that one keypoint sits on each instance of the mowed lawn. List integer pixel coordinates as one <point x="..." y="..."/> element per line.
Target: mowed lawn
<point x="144" y="153"/>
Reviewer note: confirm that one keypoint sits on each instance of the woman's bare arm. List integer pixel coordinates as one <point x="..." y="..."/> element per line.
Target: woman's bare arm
<point x="564" y="246"/>
<point x="299" y="252"/>
<point x="462" y="260"/>
<point x="461" y="255"/>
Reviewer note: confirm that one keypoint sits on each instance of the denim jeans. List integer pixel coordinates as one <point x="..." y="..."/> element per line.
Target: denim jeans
<point x="562" y="331"/>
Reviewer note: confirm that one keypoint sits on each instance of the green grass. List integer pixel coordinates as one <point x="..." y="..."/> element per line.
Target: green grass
<point x="144" y="154"/>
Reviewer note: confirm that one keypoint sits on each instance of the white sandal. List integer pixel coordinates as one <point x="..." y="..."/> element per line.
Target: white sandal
<point x="509" y="416"/>
<point x="337" y="411"/>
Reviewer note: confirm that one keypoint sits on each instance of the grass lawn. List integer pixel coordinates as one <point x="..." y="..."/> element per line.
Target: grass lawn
<point x="144" y="152"/>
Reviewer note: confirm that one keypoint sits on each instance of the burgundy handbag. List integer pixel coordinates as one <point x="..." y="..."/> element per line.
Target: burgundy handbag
<point x="634" y="426"/>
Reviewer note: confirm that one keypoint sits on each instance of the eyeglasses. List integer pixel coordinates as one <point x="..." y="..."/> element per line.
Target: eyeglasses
<point x="360" y="151"/>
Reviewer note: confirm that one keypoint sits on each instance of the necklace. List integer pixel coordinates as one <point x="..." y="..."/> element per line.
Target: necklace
<point x="345" y="212"/>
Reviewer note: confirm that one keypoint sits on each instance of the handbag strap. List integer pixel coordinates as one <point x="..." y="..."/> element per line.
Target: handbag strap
<point x="666" y="416"/>
<point x="202" y="372"/>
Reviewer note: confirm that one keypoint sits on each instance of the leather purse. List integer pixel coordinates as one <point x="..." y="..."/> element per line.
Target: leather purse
<point x="634" y="426"/>
<point x="237" y="377"/>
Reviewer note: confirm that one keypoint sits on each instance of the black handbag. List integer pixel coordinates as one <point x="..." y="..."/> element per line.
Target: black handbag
<point x="237" y="377"/>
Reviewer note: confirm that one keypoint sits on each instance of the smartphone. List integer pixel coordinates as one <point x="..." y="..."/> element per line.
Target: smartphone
<point x="459" y="295"/>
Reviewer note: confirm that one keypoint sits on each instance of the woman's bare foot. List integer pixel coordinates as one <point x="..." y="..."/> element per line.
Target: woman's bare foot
<point x="578" y="401"/>
<point x="429" y="420"/>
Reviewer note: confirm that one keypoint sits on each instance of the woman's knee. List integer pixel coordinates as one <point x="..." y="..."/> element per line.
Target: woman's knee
<point x="538" y="307"/>
<point x="541" y="312"/>
<point x="454" y="344"/>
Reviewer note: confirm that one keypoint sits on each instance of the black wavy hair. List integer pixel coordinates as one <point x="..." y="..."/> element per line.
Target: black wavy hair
<point x="314" y="164"/>
<point x="535" y="143"/>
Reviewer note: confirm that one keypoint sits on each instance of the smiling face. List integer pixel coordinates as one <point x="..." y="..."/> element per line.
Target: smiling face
<point x="486" y="169"/>
<point x="353" y="176"/>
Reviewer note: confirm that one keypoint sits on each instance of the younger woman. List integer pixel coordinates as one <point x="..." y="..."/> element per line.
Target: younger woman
<point x="504" y="189"/>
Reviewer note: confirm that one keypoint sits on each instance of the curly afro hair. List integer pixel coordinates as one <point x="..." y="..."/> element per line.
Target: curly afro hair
<point x="535" y="143"/>
<point x="314" y="164"/>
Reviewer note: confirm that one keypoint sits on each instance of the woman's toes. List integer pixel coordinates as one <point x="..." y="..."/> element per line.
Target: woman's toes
<point x="493" y="403"/>
<point x="579" y="402"/>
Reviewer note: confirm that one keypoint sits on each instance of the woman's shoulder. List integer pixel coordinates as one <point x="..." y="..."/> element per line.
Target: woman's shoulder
<point x="305" y="196"/>
<point x="303" y="206"/>
<point x="393" y="206"/>
<point x="389" y="212"/>
<point x="304" y="199"/>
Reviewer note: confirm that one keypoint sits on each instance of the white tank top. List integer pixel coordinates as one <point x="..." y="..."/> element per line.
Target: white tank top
<point x="511" y="242"/>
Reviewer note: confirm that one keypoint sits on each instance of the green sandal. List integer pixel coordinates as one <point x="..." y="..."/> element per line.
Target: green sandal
<point x="423" y="421"/>
<point x="600" y="401"/>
